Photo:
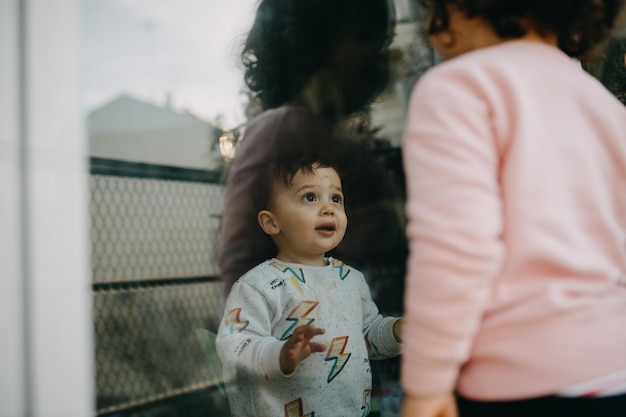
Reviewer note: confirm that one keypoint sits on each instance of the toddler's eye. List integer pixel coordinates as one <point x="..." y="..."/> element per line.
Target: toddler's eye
<point x="309" y="197"/>
<point x="337" y="199"/>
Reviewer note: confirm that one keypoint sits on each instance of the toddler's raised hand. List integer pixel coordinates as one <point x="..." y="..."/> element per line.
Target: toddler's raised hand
<point x="299" y="346"/>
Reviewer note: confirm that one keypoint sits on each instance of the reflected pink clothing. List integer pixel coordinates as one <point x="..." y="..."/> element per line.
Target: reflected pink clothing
<point x="516" y="177"/>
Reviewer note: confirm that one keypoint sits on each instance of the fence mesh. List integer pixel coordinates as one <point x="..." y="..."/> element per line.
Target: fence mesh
<point x="145" y="228"/>
<point x="155" y="282"/>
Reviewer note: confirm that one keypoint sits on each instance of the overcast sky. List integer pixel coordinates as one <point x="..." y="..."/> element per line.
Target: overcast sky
<point x="152" y="48"/>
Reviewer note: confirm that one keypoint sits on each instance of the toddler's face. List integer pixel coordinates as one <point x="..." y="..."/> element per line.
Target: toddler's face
<point x="310" y="215"/>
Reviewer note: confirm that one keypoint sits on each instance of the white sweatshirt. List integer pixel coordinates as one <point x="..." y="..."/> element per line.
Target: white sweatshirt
<point x="263" y="309"/>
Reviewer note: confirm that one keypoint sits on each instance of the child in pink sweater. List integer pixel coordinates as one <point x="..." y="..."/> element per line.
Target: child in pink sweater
<point x="515" y="161"/>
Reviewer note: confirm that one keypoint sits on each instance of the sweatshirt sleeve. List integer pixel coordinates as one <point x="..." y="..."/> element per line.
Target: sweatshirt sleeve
<point x="455" y="223"/>
<point x="244" y="342"/>
<point x="377" y="330"/>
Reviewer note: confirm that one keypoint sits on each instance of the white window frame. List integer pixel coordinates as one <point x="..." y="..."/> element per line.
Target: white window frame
<point x="46" y="365"/>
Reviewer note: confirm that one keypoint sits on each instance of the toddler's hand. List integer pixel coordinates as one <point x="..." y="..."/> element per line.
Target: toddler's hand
<point x="442" y="405"/>
<point x="398" y="327"/>
<point x="299" y="346"/>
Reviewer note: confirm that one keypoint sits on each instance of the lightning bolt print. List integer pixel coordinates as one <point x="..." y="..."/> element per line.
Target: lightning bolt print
<point x="339" y="266"/>
<point x="295" y="277"/>
<point x="336" y="353"/>
<point x="367" y="394"/>
<point x="233" y="321"/>
<point x="294" y="409"/>
<point x="299" y="317"/>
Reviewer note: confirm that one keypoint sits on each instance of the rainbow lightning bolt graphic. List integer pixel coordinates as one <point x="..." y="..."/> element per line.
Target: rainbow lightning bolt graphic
<point x="294" y="409"/>
<point x="335" y="353"/>
<point x="337" y="264"/>
<point x="366" y="402"/>
<point x="233" y="321"/>
<point x="299" y="317"/>
<point x="295" y="278"/>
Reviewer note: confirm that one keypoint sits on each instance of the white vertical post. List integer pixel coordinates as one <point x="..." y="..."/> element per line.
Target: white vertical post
<point x="12" y="358"/>
<point x="45" y="297"/>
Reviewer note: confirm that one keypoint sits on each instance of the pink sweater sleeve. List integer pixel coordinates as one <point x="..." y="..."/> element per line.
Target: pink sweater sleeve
<point x="454" y="227"/>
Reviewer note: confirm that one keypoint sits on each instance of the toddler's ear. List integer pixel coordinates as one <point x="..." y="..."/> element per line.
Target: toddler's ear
<point x="267" y="221"/>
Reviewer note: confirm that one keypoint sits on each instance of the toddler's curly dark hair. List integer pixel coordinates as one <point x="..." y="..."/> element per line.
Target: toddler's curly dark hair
<point x="579" y="25"/>
<point x="281" y="170"/>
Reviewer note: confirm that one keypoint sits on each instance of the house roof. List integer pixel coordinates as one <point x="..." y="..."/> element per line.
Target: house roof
<point x="129" y="114"/>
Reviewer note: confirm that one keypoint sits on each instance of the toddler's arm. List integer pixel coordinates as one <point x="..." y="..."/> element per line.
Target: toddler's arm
<point x="244" y="342"/>
<point x="382" y="334"/>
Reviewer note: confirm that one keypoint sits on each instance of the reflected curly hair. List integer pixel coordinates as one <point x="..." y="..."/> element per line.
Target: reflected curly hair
<point x="580" y="25"/>
<point x="292" y="39"/>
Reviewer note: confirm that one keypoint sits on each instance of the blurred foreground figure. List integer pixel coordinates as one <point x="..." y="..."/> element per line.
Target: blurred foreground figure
<point x="515" y="163"/>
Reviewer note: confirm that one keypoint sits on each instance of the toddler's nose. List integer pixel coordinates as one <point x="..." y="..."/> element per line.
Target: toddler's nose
<point x="328" y="210"/>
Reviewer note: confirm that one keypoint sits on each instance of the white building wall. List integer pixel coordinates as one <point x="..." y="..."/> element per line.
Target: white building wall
<point x="185" y="147"/>
<point x="133" y="130"/>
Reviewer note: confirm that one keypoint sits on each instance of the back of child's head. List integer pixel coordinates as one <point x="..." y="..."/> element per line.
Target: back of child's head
<point x="579" y="25"/>
<point x="279" y="174"/>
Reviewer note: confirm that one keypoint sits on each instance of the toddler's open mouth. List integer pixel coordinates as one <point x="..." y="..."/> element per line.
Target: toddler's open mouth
<point x="326" y="227"/>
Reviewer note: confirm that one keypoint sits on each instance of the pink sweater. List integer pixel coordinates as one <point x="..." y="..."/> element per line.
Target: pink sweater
<point x="516" y="177"/>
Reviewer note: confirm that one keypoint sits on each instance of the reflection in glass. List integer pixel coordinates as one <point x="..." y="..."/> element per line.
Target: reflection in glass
<point x="166" y="110"/>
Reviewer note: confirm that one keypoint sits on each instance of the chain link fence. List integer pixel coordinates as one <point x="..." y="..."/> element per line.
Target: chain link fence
<point x="153" y="233"/>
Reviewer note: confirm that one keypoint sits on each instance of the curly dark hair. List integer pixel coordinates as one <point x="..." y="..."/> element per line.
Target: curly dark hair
<point x="292" y="39"/>
<point x="281" y="170"/>
<point x="580" y="25"/>
<point x="614" y="71"/>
